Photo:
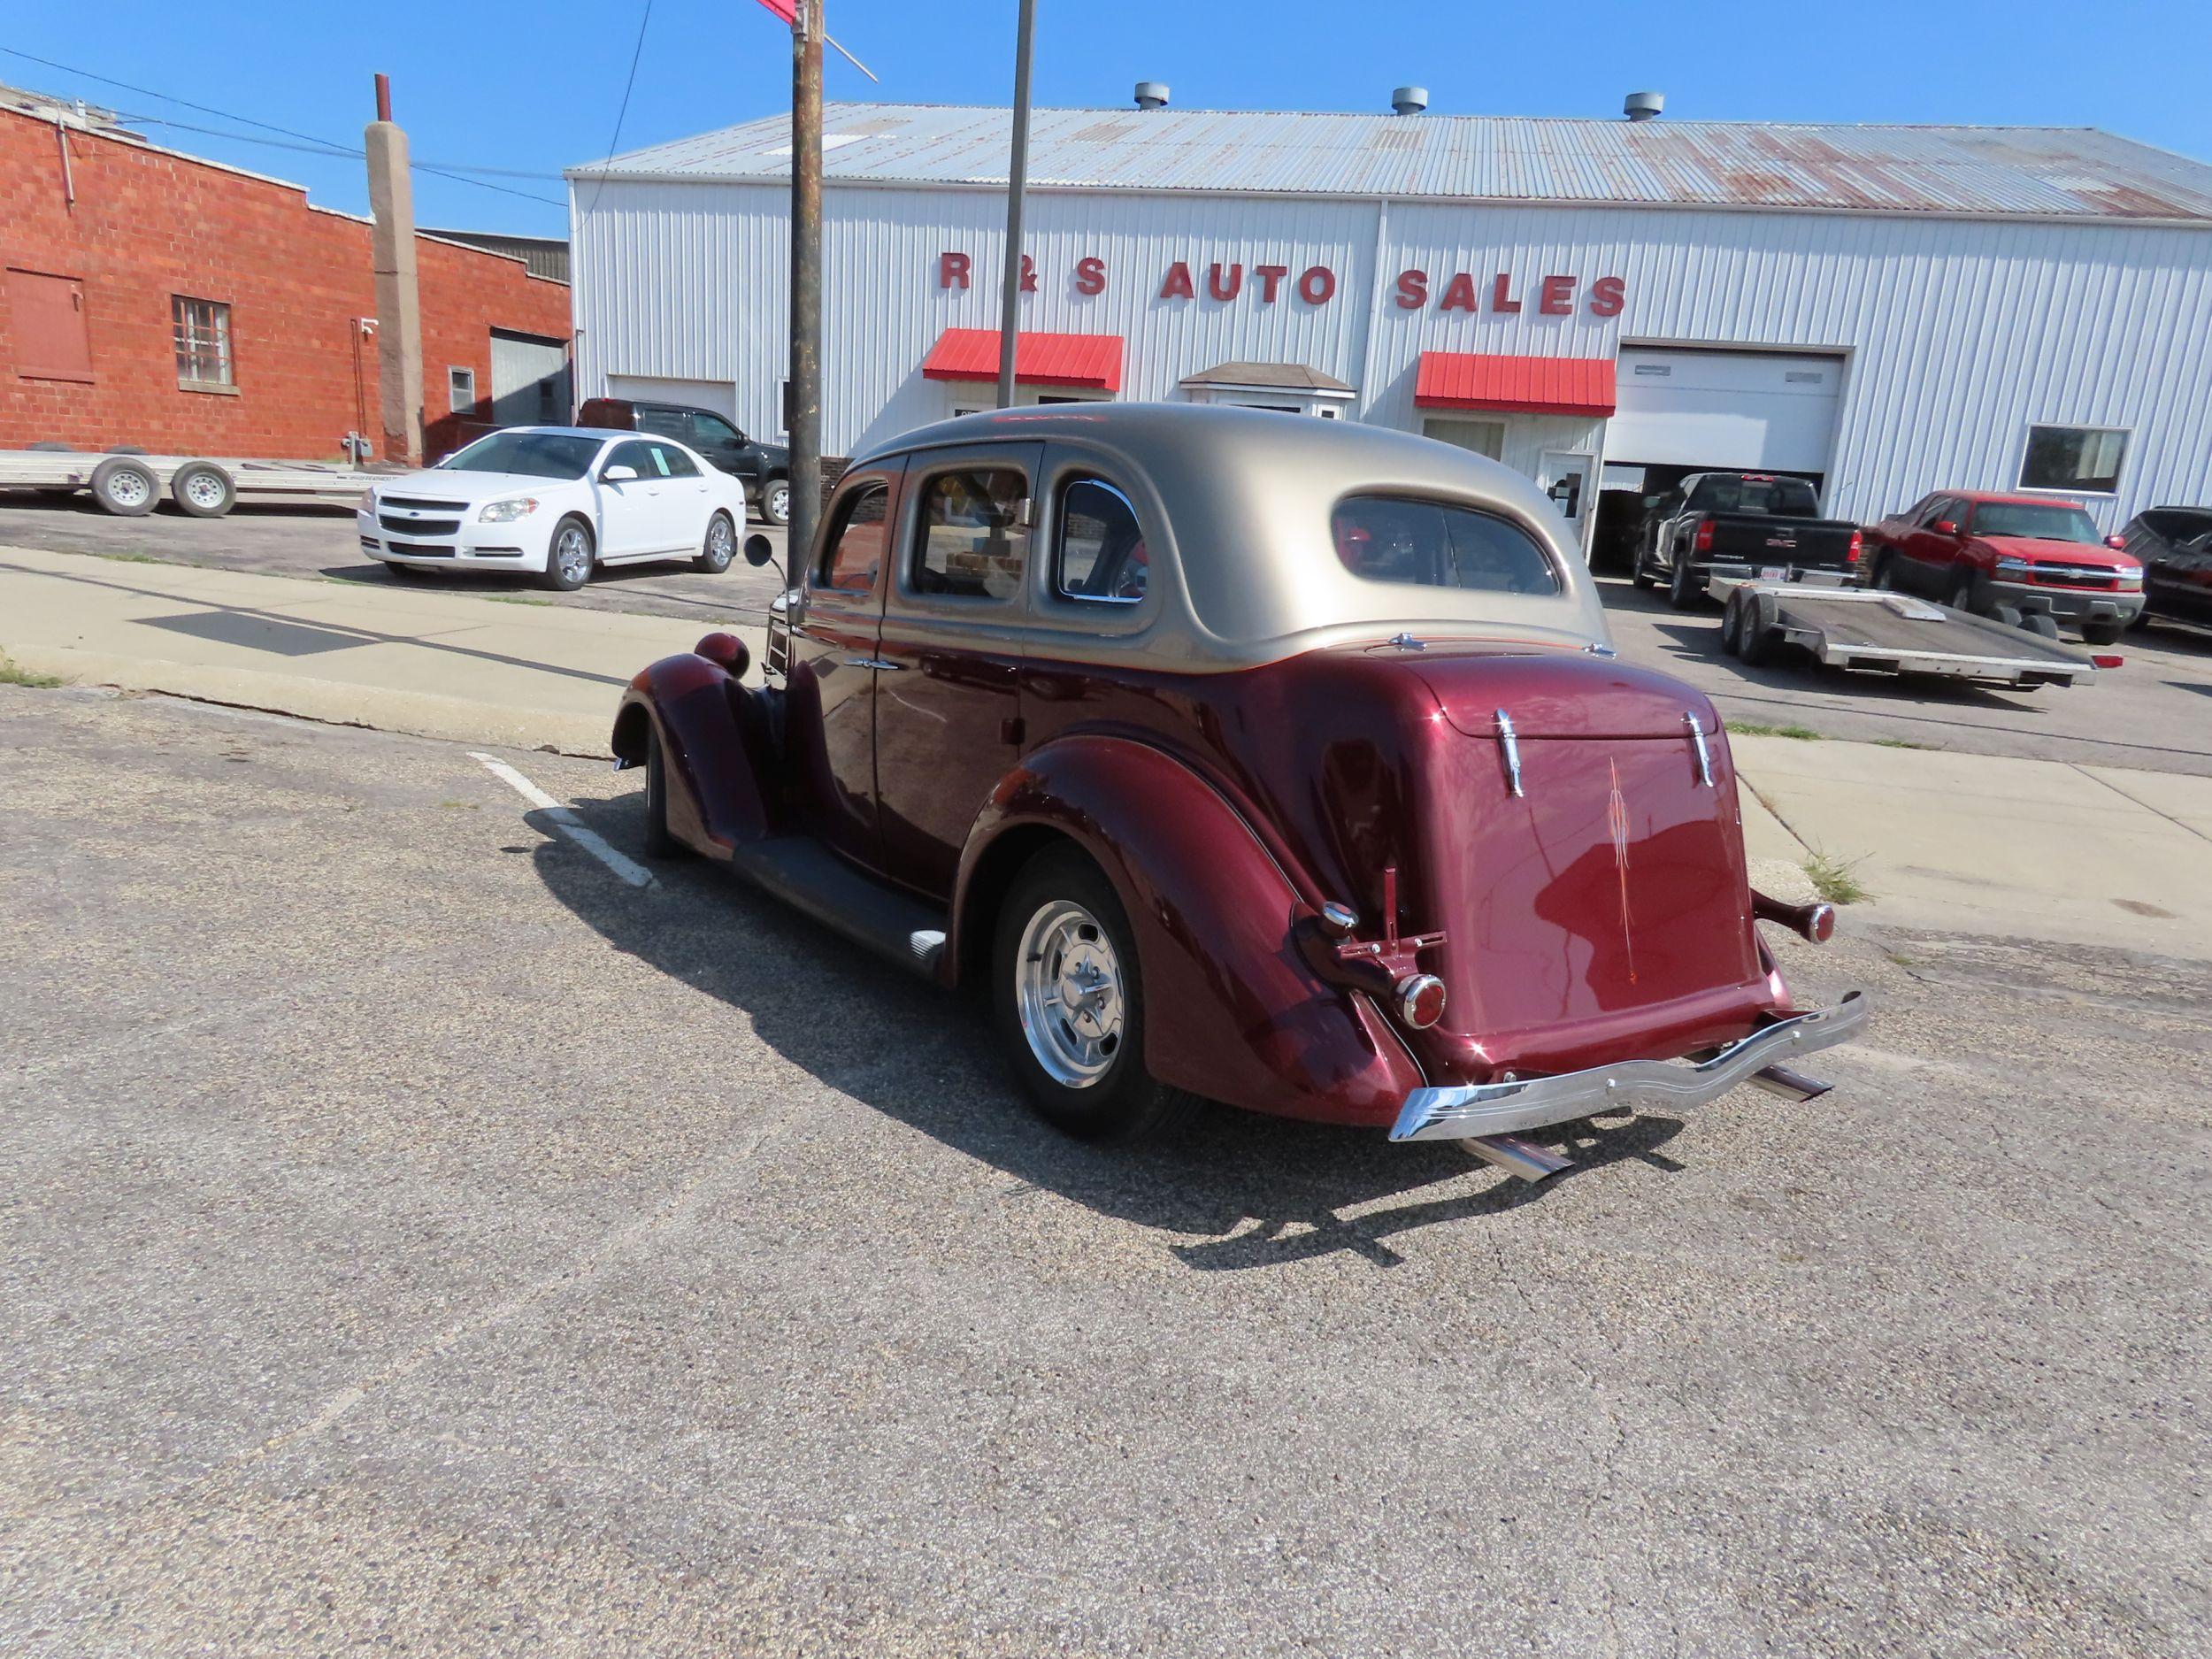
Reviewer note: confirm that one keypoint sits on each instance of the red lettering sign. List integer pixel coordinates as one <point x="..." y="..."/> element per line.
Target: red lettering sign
<point x="1317" y="285"/>
<point x="1222" y="290"/>
<point x="1413" y="290"/>
<point x="1459" y="294"/>
<point x="1607" y="295"/>
<point x="952" y="270"/>
<point x="1029" y="275"/>
<point x="1556" y="297"/>
<point x="1178" y="285"/>
<point x="1501" y="294"/>
<point x="1090" y="276"/>
<point x="1268" y="276"/>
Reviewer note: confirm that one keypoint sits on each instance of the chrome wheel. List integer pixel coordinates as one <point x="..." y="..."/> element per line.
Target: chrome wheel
<point x="721" y="543"/>
<point x="572" y="557"/>
<point x="1067" y="990"/>
<point x="777" y="506"/>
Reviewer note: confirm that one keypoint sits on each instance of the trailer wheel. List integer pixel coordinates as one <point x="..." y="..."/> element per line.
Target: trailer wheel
<point x="1755" y="634"/>
<point x="2040" y="622"/>
<point x="202" y="490"/>
<point x="125" y="488"/>
<point x="1731" y="625"/>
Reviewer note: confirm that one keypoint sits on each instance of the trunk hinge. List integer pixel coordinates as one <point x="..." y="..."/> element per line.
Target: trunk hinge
<point x="1512" y="749"/>
<point x="1697" y="742"/>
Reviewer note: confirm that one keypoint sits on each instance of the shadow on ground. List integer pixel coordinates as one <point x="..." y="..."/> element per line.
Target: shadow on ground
<point x="1246" y="1190"/>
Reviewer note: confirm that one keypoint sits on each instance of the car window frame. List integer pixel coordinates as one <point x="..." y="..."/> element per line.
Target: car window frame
<point x="700" y="417"/>
<point x="678" y="455"/>
<point x="613" y="458"/>
<point x="1054" y="562"/>
<point x="838" y="520"/>
<point x="1562" y="584"/>
<point x="923" y="471"/>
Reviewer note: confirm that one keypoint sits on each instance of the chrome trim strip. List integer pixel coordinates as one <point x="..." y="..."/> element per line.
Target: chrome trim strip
<point x="1704" y="760"/>
<point x="1464" y="1110"/>
<point x="1512" y="753"/>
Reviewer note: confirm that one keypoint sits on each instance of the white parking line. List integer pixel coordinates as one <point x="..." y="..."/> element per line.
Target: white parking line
<point x="626" y="868"/>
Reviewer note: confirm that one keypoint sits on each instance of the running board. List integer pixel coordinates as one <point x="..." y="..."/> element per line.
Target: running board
<point x="809" y="877"/>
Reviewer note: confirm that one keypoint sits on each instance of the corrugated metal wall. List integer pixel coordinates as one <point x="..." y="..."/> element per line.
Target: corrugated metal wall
<point x="1957" y="334"/>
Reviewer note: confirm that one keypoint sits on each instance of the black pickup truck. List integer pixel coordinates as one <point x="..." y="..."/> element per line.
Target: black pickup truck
<point x="765" y="467"/>
<point x="1755" y="518"/>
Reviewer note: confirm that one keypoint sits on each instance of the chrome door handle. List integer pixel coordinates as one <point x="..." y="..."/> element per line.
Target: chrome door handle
<point x="871" y="662"/>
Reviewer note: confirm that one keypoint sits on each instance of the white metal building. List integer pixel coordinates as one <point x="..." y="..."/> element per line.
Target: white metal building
<point x="1887" y="310"/>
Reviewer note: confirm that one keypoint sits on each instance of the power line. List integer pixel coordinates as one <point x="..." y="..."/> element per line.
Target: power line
<point x="621" y="114"/>
<point x="310" y="144"/>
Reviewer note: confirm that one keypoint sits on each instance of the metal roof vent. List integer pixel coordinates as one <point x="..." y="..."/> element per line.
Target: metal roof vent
<point x="1409" y="100"/>
<point x="1151" y="95"/>
<point x="1644" y="106"/>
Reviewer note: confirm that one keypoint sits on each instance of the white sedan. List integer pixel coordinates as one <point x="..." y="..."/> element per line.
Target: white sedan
<point x="556" y="501"/>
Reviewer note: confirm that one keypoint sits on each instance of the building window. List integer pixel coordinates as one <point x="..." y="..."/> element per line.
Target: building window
<point x="1484" y="437"/>
<point x="460" y="388"/>
<point x="202" y="329"/>
<point x="2079" y="460"/>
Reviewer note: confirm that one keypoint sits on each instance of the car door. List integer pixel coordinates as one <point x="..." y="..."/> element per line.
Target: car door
<point x="686" y="499"/>
<point x="628" y="506"/>
<point x="947" y="722"/>
<point x="724" y="446"/>
<point x="1929" y="552"/>
<point x="834" y="623"/>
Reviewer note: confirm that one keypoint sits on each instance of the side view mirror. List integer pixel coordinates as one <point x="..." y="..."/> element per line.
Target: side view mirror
<point x="617" y="474"/>
<point x="759" y="550"/>
<point x="1945" y="526"/>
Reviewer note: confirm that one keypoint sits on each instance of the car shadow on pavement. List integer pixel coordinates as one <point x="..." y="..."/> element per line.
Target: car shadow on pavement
<point x="1243" y="1190"/>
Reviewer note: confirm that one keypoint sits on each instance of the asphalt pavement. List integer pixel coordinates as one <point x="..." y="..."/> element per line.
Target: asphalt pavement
<point x="418" y="1240"/>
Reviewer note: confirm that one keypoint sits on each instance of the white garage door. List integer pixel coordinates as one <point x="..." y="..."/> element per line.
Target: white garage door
<point x="720" y="395"/>
<point x="1752" y="410"/>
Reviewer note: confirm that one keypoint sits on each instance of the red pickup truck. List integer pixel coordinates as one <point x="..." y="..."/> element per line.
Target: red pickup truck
<point x="1984" y="552"/>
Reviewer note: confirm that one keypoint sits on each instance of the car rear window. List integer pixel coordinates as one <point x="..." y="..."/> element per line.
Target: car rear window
<point x="1435" y="544"/>
<point x="1776" y="497"/>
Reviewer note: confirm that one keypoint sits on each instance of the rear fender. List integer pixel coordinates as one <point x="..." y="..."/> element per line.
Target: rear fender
<point x="1233" y="1010"/>
<point x="716" y="739"/>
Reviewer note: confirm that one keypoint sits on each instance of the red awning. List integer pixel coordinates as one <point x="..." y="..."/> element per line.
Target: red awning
<point x="1543" y="386"/>
<point x="971" y="354"/>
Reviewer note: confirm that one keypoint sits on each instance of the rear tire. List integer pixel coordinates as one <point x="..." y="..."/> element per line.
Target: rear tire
<point x="1881" y="576"/>
<point x="1068" y="998"/>
<point x="126" y="488"/>
<point x="1755" y="636"/>
<point x="1962" y="592"/>
<point x="1639" y="572"/>
<point x="1731" y="625"/>
<point x="1683" y="588"/>
<point x="2104" y="632"/>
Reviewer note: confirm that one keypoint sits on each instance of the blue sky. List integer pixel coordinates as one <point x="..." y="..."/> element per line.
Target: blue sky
<point x="530" y="88"/>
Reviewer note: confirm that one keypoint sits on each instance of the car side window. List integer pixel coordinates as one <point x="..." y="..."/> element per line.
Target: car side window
<point x="970" y="543"/>
<point x="638" y="456"/>
<point x="854" y="553"/>
<point x="1099" y="553"/>
<point x="1439" y="544"/>
<point x="661" y="423"/>
<point x="713" y="432"/>
<point x="672" y="462"/>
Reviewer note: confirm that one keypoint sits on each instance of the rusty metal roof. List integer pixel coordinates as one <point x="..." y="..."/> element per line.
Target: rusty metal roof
<point x="2028" y="172"/>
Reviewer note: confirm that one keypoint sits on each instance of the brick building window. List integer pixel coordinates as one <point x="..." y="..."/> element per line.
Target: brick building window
<point x="460" y="390"/>
<point x="201" y="330"/>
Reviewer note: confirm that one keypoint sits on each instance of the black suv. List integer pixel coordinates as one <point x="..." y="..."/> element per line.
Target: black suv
<point x="765" y="467"/>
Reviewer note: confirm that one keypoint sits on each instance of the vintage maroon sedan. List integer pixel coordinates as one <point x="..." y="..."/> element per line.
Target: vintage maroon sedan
<point x="1271" y="761"/>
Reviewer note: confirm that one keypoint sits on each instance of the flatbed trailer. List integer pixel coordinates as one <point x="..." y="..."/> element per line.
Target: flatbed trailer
<point x="1873" y="630"/>
<point x="131" y="485"/>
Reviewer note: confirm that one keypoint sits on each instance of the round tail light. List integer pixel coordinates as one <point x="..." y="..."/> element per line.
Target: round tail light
<point x="1420" y="1000"/>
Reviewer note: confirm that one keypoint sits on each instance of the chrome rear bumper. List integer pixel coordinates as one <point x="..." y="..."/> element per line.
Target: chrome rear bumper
<point x="1472" y="1111"/>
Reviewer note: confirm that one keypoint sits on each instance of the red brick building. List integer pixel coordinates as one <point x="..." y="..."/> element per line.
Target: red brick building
<point x="156" y="299"/>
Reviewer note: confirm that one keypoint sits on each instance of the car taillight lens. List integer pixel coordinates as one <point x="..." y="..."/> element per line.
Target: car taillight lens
<point x="1420" y="1000"/>
<point x="1704" y="542"/>
<point x="1858" y="546"/>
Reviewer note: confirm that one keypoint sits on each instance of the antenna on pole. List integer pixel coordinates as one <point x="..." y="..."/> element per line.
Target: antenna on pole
<point x="1016" y="178"/>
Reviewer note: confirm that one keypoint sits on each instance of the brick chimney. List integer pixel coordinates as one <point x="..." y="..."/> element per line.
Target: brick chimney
<point x="398" y="300"/>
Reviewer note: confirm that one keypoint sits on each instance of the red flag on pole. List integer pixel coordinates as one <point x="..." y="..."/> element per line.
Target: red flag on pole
<point x="788" y="10"/>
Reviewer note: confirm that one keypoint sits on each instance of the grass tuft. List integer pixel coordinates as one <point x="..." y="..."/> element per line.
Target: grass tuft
<point x="129" y="557"/>
<point x="1836" y="879"/>
<point x="1746" y="728"/>
<point x="12" y="674"/>
<point x="516" y="599"/>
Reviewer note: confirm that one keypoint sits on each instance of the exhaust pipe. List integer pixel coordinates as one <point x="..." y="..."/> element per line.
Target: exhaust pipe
<point x="1517" y="1156"/>
<point x="1779" y="1079"/>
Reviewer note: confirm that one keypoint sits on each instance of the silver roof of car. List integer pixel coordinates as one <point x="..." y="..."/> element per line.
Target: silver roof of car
<point x="1236" y="507"/>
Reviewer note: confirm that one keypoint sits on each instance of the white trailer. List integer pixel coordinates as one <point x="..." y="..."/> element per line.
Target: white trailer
<point x="131" y="485"/>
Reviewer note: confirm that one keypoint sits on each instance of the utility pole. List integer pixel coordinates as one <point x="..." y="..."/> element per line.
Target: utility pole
<point x="804" y="418"/>
<point x="1016" y="179"/>
<point x="398" y="300"/>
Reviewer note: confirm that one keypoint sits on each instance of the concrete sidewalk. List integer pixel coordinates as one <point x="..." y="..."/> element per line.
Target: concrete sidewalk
<point x="401" y="658"/>
<point x="1972" y="843"/>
